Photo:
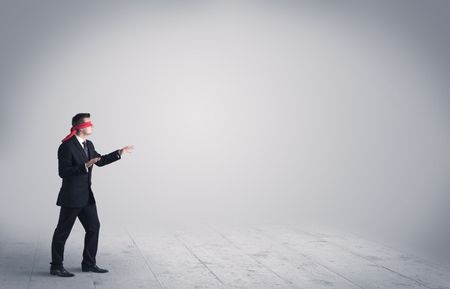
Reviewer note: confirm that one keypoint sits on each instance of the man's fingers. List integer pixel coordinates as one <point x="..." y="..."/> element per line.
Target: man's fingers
<point x="128" y="148"/>
<point x="93" y="161"/>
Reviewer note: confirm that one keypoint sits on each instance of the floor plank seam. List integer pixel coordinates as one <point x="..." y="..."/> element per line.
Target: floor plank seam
<point x="431" y="263"/>
<point x="145" y="260"/>
<point x="201" y="261"/>
<point x="253" y="258"/>
<point x="314" y="261"/>
<point x="33" y="262"/>
<point x="420" y="283"/>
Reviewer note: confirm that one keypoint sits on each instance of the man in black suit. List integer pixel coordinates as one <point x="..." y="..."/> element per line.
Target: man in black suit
<point x="76" y="157"/>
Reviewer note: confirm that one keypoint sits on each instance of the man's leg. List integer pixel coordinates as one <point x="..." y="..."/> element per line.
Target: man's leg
<point x="89" y="219"/>
<point x="67" y="217"/>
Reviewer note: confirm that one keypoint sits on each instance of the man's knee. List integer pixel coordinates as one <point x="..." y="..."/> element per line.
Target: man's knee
<point x="61" y="233"/>
<point x="93" y="227"/>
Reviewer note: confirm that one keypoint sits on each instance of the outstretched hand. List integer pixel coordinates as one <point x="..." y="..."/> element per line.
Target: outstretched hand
<point x="128" y="149"/>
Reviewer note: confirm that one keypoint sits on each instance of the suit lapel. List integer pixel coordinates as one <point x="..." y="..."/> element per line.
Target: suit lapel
<point x="90" y="150"/>
<point x="79" y="149"/>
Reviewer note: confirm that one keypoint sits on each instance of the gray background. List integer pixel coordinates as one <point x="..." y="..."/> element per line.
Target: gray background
<point x="332" y="112"/>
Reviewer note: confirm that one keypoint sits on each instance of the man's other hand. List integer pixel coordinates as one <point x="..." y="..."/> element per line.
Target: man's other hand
<point x="90" y="162"/>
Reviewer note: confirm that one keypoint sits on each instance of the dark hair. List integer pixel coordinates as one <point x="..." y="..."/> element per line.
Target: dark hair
<point x="79" y="118"/>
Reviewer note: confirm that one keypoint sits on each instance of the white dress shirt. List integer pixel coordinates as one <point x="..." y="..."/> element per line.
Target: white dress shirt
<point x="81" y="140"/>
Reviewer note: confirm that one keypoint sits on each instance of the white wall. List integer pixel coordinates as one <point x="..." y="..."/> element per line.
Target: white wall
<point x="238" y="111"/>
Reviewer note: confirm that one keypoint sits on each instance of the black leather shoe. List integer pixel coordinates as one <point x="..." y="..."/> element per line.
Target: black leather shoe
<point x="94" y="269"/>
<point x="61" y="272"/>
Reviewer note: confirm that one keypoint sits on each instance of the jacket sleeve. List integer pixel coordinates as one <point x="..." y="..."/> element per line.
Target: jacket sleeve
<point x="65" y="166"/>
<point x="106" y="159"/>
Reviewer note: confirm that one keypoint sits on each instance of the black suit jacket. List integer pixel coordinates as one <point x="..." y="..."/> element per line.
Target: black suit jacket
<point x="76" y="189"/>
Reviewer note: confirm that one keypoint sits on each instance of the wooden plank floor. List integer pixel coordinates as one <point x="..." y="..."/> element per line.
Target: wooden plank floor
<point x="251" y="257"/>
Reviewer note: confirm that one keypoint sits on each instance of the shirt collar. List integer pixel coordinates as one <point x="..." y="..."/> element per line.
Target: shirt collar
<point x="80" y="140"/>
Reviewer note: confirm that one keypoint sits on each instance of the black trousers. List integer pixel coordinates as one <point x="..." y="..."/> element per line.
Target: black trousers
<point x="89" y="219"/>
